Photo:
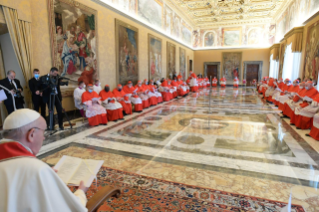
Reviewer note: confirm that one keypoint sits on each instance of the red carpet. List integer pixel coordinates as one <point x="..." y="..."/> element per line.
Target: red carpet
<point x="140" y="193"/>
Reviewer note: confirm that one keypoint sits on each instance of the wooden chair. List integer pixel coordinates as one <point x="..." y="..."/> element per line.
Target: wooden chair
<point x="101" y="196"/>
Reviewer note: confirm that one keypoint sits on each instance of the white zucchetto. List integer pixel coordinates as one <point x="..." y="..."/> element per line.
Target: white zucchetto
<point x="20" y="118"/>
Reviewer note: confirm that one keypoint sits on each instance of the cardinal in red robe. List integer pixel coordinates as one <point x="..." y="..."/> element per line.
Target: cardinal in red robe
<point x="95" y="113"/>
<point x="114" y="109"/>
<point x="141" y="92"/>
<point x="303" y="114"/>
<point x="123" y="99"/>
<point x="135" y="99"/>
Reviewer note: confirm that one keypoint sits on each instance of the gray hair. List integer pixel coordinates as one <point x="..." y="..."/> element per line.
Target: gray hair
<point x="9" y="72"/>
<point x="18" y="133"/>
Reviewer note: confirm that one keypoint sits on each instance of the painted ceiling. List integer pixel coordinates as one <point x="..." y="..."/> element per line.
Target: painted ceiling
<point x="215" y="13"/>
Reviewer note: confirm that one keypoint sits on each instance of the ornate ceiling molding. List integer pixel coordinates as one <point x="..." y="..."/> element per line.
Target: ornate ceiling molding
<point x="212" y="13"/>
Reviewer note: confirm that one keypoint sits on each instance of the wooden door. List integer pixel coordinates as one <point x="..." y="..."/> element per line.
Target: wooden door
<point x="211" y="71"/>
<point x="252" y="73"/>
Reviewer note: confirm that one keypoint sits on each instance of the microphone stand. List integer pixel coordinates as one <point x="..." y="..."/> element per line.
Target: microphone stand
<point x="13" y="100"/>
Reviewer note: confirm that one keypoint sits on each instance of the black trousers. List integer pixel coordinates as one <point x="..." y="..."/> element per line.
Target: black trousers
<point x="37" y="104"/>
<point x="58" y="108"/>
<point x="10" y="108"/>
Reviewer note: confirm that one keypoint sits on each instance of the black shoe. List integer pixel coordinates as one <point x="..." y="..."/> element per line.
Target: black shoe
<point x="308" y="135"/>
<point x="61" y="128"/>
<point x="298" y="128"/>
<point x="292" y="124"/>
<point x="115" y="120"/>
<point x="122" y="119"/>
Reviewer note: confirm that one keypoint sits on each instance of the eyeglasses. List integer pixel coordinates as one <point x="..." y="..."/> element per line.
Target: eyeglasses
<point x="43" y="130"/>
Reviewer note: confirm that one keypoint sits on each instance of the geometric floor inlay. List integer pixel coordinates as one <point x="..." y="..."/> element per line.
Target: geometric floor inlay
<point x="239" y="135"/>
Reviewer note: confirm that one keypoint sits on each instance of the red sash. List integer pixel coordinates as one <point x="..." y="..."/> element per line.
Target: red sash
<point x="13" y="149"/>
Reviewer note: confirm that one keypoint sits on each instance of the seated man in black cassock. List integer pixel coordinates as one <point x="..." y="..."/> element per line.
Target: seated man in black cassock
<point x="15" y="88"/>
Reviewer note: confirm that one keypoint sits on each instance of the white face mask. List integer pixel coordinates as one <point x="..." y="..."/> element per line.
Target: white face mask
<point x="301" y="87"/>
<point x="307" y="88"/>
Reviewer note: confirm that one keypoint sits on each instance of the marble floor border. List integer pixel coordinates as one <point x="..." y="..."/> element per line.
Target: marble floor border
<point x="302" y="142"/>
<point x="224" y="155"/>
<point x="294" y="181"/>
<point x="313" y="154"/>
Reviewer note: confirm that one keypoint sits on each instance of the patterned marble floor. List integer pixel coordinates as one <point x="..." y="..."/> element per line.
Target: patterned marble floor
<point x="228" y="140"/>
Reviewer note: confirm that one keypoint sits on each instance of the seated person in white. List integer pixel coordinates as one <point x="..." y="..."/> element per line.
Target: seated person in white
<point x="77" y="95"/>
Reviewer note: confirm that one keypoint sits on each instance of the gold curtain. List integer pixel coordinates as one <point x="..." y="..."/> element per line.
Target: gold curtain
<point x="274" y="51"/>
<point x="20" y="34"/>
<point x="282" y="50"/>
<point x="294" y="37"/>
<point x="3" y="110"/>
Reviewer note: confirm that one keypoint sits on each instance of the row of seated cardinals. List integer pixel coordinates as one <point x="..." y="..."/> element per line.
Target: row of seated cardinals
<point x="297" y="101"/>
<point x="103" y="105"/>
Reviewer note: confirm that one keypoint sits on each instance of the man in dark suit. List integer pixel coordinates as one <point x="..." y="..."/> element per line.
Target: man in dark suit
<point x="35" y="87"/>
<point x="46" y="90"/>
<point x="16" y="89"/>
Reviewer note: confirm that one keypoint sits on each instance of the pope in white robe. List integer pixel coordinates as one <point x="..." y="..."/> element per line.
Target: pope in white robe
<point x="28" y="184"/>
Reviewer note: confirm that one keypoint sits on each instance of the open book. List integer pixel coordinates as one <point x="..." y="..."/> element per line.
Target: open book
<point x="73" y="170"/>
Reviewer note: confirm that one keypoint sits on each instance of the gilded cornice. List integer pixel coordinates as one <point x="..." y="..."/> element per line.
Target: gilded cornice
<point x="294" y="31"/>
<point x="275" y="46"/>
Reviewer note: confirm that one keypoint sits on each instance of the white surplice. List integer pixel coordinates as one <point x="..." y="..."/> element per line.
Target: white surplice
<point x="77" y="94"/>
<point x="30" y="185"/>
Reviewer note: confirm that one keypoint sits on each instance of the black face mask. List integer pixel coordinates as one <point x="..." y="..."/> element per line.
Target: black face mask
<point x="107" y="89"/>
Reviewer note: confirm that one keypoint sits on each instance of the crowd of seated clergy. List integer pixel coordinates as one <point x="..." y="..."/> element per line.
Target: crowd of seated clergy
<point x="298" y="100"/>
<point x="101" y="105"/>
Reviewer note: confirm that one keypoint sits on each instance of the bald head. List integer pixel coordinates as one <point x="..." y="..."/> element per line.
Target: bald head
<point x="27" y="127"/>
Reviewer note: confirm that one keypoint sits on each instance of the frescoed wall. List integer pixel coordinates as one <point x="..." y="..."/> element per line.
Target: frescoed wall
<point x="246" y="35"/>
<point x="294" y="15"/>
<point x="158" y="14"/>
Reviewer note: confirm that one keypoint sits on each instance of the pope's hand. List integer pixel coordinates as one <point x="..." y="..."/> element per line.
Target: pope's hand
<point x="82" y="187"/>
<point x="12" y="91"/>
<point x="37" y="92"/>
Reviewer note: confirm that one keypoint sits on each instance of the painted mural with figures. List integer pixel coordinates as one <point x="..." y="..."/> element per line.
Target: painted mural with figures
<point x="127" y="52"/>
<point x="155" y="57"/>
<point x="295" y="14"/>
<point x="159" y="14"/>
<point x="73" y="40"/>
<point x="311" y="64"/>
<point x="246" y="35"/>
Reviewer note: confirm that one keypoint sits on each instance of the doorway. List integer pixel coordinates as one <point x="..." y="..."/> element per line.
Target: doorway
<point x="212" y="69"/>
<point x="252" y="70"/>
<point x="252" y="73"/>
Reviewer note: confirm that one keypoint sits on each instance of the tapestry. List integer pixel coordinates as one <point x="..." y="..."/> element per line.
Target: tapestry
<point x="73" y="40"/>
<point x="182" y="62"/>
<point x="142" y="193"/>
<point x="231" y="66"/>
<point x="171" y="60"/>
<point x="154" y="57"/>
<point x="311" y="64"/>
<point x="126" y="52"/>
